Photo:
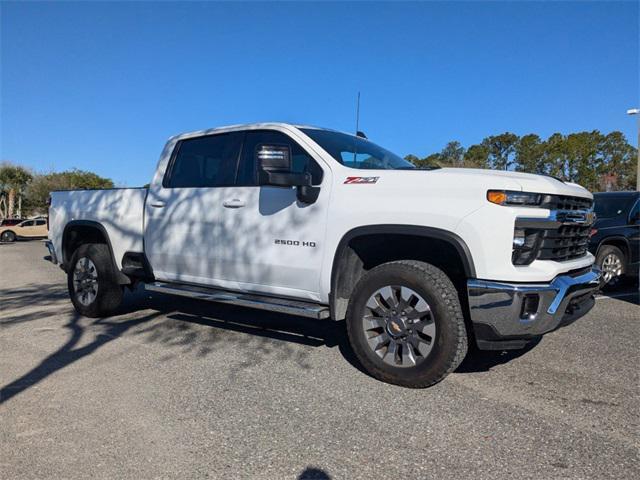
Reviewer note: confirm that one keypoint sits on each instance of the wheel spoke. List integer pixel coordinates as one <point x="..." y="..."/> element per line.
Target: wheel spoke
<point x="392" y="356"/>
<point x="378" y="342"/>
<point x="408" y="358"/>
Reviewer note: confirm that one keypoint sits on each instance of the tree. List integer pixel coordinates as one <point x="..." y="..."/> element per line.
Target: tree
<point x="501" y="150"/>
<point x="617" y="156"/>
<point x="582" y="162"/>
<point x="452" y="155"/>
<point x="476" y="156"/>
<point x="529" y="154"/>
<point x="42" y="185"/>
<point x="432" y="160"/>
<point x="13" y="181"/>
<point x="554" y="156"/>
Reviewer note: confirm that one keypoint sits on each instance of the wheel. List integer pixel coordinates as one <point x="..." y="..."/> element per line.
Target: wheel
<point x="8" y="236"/>
<point x="92" y="281"/>
<point x="405" y="324"/>
<point x="613" y="264"/>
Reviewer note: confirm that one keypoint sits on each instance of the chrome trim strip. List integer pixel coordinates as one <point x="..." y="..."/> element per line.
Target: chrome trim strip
<point x="564" y="282"/>
<point x="557" y="218"/>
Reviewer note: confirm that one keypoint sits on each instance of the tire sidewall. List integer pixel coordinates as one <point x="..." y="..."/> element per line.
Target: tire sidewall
<point x="108" y="289"/>
<point x="612" y="250"/>
<point x="446" y="341"/>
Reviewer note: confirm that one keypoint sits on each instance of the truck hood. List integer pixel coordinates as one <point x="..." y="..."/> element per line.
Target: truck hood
<point x="478" y="179"/>
<point x="528" y="182"/>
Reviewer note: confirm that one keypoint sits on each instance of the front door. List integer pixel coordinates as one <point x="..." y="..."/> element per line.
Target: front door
<point x="279" y="241"/>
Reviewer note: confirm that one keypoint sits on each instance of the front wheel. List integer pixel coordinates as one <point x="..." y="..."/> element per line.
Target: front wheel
<point x="92" y="281"/>
<point x="405" y="324"/>
<point x="8" y="236"/>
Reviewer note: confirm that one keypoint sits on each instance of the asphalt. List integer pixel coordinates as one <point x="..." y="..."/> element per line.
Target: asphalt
<point x="171" y="388"/>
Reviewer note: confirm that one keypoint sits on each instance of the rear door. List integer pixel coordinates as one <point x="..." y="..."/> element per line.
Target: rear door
<point x="186" y="225"/>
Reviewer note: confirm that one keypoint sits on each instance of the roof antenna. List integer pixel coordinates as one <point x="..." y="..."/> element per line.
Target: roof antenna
<point x="358" y="132"/>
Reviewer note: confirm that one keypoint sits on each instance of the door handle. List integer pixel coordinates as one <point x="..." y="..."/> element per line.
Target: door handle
<point x="157" y="204"/>
<point x="233" y="203"/>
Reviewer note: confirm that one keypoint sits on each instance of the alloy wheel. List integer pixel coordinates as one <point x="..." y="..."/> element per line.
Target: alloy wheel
<point x="611" y="267"/>
<point x="85" y="281"/>
<point x="399" y="326"/>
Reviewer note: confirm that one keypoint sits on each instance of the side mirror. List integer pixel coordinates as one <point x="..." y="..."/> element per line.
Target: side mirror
<point x="274" y="167"/>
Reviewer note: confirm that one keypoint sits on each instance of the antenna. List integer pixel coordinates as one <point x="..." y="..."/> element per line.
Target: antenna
<point x="358" y="113"/>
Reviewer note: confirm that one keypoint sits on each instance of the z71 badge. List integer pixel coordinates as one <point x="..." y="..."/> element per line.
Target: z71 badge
<point x="361" y="179"/>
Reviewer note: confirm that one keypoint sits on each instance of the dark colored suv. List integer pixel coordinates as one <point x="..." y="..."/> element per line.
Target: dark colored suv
<point x="615" y="237"/>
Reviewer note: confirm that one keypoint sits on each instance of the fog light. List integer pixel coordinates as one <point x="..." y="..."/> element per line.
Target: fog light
<point x="530" y="305"/>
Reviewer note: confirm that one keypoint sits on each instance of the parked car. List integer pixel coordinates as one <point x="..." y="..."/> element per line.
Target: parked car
<point x="7" y="222"/>
<point x="324" y="224"/>
<point x="27" y="229"/>
<point x="615" y="237"/>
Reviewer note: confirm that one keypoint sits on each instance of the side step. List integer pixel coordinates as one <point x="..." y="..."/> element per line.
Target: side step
<point x="282" y="305"/>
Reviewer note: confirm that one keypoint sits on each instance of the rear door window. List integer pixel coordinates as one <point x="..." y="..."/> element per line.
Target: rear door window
<point x="208" y="161"/>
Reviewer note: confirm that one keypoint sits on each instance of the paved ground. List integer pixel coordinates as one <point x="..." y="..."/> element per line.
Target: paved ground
<point x="171" y="388"/>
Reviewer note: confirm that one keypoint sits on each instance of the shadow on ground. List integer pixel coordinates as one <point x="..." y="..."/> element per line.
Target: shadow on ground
<point x="184" y="326"/>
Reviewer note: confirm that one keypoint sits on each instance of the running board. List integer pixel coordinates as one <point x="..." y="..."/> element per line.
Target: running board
<point x="281" y="305"/>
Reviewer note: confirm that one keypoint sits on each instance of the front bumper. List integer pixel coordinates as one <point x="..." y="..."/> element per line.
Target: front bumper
<point x="509" y="315"/>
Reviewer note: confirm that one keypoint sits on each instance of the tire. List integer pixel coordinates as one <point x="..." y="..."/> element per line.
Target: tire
<point x="8" y="236"/>
<point x="96" y="291"/>
<point x="613" y="263"/>
<point x="439" y="332"/>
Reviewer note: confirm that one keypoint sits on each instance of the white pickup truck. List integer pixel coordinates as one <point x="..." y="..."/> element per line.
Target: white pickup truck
<point x="323" y="224"/>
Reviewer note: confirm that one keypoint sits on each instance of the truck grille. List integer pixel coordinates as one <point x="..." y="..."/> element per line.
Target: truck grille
<point x="564" y="243"/>
<point x="565" y="238"/>
<point x="565" y="203"/>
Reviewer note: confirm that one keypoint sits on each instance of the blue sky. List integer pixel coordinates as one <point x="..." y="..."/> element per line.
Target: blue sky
<point x="101" y="86"/>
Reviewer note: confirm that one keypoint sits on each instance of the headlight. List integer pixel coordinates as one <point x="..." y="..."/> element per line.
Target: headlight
<point x="506" y="197"/>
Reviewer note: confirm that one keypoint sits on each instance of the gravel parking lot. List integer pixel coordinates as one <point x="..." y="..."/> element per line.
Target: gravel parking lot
<point x="176" y="388"/>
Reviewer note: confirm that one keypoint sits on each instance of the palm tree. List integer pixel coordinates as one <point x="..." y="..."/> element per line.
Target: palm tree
<point x="13" y="180"/>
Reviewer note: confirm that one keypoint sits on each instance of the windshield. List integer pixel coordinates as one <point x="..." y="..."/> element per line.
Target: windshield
<point x="609" y="206"/>
<point x="357" y="152"/>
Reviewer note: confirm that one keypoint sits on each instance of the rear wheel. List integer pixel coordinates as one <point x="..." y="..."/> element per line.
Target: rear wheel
<point x="613" y="264"/>
<point x="92" y="281"/>
<point x="8" y="236"/>
<point x="405" y="324"/>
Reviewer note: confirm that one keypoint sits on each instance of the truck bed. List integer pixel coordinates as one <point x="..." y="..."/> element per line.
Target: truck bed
<point x="120" y="211"/>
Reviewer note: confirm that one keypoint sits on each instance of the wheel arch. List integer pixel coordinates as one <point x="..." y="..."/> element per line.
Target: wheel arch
<point x="357" y="253"/>
<point x="9" y="231"/>
<point x="79" y="232"/>
<point x="616" y="241"/>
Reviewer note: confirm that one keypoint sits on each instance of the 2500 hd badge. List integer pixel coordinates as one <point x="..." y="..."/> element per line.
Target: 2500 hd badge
<point x="295" y="243"/>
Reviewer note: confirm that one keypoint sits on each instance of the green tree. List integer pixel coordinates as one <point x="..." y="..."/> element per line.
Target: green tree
<point x="529" y="154"/>
<point x="582" y="163"/>
<point x="452" y="155"/>
<point x="476" y="156"/>
<point x="555" y="155"/>
<point x="501" y="149"/>
<point x="13" y="180"/>
<point x="42" y="185"/>
<point x="618" y="157"/>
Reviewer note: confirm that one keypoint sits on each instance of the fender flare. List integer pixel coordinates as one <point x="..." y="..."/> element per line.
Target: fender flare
<point x="614" y="238"/>
<point x="414" y="230"/>
<point x="98" y="226"/>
